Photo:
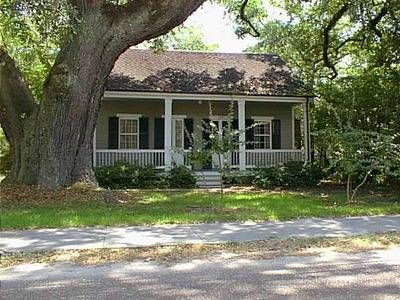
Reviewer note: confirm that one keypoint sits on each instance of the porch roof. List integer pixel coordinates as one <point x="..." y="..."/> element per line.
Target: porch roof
<point x="203" y="72"/>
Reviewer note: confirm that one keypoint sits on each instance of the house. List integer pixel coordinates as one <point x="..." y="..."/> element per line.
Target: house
<point x="153" y="99"/>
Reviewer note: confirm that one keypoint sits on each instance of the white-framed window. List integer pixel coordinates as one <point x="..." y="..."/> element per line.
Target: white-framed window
<point x="178" y="133"/>
<point x="262" y="134"/>
<point x="128" y="132"/>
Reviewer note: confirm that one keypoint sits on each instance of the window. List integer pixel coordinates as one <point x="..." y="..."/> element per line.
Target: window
<point x="178" y="133"/>
<point x="262" y="135"/>
<point x="129" y="133"/>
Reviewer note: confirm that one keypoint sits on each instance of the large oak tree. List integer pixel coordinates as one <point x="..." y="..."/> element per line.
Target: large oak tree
<point x="51" y="141"/>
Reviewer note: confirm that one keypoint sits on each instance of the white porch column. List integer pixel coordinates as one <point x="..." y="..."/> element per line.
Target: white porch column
<point x="167" y="132"/>
<point x="306" y="130"/>
<point x="242" y="136"/>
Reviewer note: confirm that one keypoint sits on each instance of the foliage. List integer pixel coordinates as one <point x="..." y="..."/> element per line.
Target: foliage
<point x="356" y="154"/>
<point x="180" y="177"/>
<point x="237" y="178"/>
<point x="123" y="175"/>
<point x="292" y="174"/>
<point x="182" y="38"/>
<point x="32" y="33"/>
<point x="364" y="48"/>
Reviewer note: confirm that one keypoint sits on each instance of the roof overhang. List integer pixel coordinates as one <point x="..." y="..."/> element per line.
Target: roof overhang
<point x="195" y="97"/>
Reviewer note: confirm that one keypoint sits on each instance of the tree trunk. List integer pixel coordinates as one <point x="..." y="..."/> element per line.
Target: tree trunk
<point x="52" y="147"/>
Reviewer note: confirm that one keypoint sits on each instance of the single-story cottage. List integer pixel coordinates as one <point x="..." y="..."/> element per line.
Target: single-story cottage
<point x="152" y="100"/>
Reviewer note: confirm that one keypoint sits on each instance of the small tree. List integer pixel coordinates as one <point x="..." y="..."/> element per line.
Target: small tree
<point x="222" y="142"/>
<point x="357" y="154"/>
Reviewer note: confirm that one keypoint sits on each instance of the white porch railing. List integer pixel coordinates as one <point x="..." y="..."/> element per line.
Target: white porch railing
<point x="234" y="159"/>
<point x="261" y="157"/>
<point x="254" y="158"/>
<point x="140" y="156"/>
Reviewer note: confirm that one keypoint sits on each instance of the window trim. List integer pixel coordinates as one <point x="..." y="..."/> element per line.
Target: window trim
<point x="129" y="117"/>
<point x="263" y="121"/>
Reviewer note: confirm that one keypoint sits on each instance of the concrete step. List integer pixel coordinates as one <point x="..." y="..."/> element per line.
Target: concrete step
<point x="208" y="179"/>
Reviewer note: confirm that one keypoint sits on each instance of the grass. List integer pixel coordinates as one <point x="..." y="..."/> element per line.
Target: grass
<point x="60" y="210"/>
<point x="171" y="254"/>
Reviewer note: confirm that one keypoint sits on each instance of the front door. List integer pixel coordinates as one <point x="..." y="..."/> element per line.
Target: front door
<point x="178" y="141"/>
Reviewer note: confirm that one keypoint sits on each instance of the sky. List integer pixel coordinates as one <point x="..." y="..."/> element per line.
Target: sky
<point x="218" y="28"/>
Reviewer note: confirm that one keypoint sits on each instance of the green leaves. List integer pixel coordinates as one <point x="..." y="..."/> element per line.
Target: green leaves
<point x="33" y="32"/>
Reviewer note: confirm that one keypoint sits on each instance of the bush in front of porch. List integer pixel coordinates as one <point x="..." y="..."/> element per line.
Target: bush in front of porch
<point x="292" y="174"/>
<point x="123" y="175"/>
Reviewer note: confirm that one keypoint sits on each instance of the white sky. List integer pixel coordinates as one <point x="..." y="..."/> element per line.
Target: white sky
<point x="218" y="28"/>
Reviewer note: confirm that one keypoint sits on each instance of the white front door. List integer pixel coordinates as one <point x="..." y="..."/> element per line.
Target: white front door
<point x="178" y="141"/>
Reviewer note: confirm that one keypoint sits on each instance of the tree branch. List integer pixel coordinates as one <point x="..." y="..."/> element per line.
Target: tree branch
<point x="375" y="21"/>
<point x="16" y="104"/>
<point x="326" y="38"/>
<point x="254" y="32"/>
<point x="360" y="185"/>
<point x="149" y="19"/>
<point x="16" y="100"/>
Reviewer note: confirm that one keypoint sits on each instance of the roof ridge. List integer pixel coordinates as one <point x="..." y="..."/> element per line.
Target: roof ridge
<point x="203" y="52"/>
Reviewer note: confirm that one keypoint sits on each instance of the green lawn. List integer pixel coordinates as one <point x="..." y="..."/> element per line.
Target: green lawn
<point x="192" y="207"/>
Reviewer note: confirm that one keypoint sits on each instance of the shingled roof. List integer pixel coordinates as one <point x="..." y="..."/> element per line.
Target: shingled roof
<point x="203" y="72"/>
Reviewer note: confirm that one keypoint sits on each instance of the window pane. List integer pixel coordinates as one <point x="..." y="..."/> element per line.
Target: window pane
<point x="128" y="126"/>
<point x="267" y="143"/>
<point x="128" y="141"/>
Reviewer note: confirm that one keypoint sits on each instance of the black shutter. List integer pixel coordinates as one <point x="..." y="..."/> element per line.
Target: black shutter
<point x="297" y="133"/>
<point x="143" y="133"/>
<point x="249" y="133"/>
<point x="276" y="134"/>
<point x="206" y="134"/>
<point x="188" y="133"/>
<point x="159" y="133"/>
<point x="113" y="132"/>
<point x="235" y="124"/>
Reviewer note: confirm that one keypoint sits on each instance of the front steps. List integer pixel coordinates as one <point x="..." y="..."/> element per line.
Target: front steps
<point x="208" y="179"/>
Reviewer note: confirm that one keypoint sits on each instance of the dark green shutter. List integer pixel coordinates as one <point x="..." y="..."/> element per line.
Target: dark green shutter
<point x="297" y="133"/>
<point x="143" y="133"/>
<point x="113" y="132"/>
<point x="206" y="134"/>
<point x="159" y="133"/>
<point x="188" y="133"/>
<point x="249" y="133"/>
<point x="276" y="134"/>
<point x="235" y="124"/>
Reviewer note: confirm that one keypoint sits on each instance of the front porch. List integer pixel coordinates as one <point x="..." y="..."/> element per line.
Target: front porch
<point x="151" y="129"/>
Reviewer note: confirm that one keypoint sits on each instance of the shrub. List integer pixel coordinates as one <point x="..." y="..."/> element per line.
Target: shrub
<point x="300" y="174"/>
<point x="181" y="177"/>
<point x="239" y="178"/>
<point x="123" y="175"/>
<point x="291" y="174"/>
<point x="268" y="177"/>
